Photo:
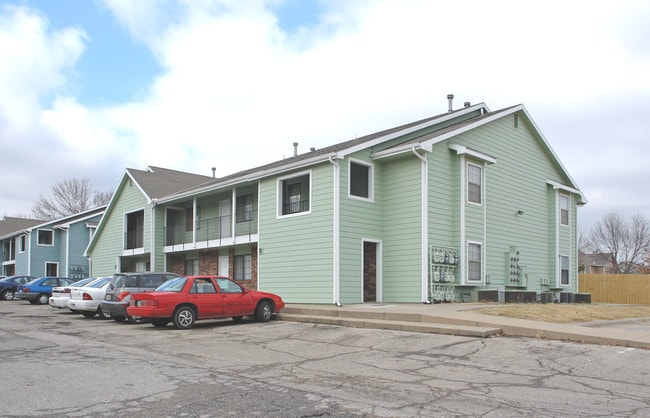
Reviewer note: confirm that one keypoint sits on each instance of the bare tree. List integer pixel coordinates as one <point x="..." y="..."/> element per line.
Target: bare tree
<point x="626" y="239"/>
<point x="69" y="197"/>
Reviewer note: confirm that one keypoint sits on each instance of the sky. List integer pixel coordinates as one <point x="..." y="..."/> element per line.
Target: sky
<point x="89" y="88"/>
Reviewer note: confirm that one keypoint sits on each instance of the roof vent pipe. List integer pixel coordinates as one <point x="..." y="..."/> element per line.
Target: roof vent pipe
<point x="467" y="104"/>
<point x="450" y="97"/>
<point x="214" y="172"/>
<point x="295" y="149"/>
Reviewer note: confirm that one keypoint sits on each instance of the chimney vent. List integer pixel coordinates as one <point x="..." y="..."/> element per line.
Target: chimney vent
<point x="295" y="149"/>
<point x="467" y="104"/>
<point x="450" y="97"/>
<point x="214" y="172"/>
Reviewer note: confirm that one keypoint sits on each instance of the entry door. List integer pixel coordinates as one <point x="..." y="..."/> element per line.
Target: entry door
<point x="370" y="260"/>
<point x="223" y="266"/>
<point x="225" y="212"/>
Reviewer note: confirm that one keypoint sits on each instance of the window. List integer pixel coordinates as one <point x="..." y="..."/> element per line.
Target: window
<point x="22" y="243"/>
<point x="474" y="262"/>
<point x="294" y="194"/>
<point x="52" y="269"/>
<point x="243" y="267"/>
<point x="564" y="209"/>
<point x="564" y="270"/>
<point x="134" y="230"/>
<point x="191" y="267"/>
<point x="474" y="181"/>
<point x="244" y="208"/>
<point x="360" y="180"/>
<point x="45" y="237"/>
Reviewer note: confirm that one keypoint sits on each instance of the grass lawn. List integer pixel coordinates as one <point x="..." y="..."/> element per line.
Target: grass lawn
<point x="568" y="312"/>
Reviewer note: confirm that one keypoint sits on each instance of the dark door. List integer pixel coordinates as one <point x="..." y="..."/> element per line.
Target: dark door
<point x="369" y="271"/>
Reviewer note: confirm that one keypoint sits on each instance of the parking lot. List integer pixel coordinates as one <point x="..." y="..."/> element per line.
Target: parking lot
<point x="61" y="364"/>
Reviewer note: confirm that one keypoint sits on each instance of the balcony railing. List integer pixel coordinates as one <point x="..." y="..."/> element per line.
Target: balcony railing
<point x="216" y="229"/>
<point x="134" y="239"/>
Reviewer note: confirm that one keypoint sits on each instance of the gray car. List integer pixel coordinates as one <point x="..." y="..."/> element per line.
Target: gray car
<point x="118" y="295"/>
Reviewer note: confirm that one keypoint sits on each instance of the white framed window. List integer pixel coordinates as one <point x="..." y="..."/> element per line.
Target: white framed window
<point x="474" y="183"/>
<point x="192" y="267"/>
<point x="22" y="243"/>
<point x="294" y="194"/>
<point x="242" y="267"/>
<point x="474" y="265"/>
<point x="564" y="270"/>
<point x="361" y="180"/>
<point x="564" y="209"/>
<point x="45" y="237"/>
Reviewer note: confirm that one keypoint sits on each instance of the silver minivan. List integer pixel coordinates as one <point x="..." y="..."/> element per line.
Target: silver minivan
<point x="118" y="295"/>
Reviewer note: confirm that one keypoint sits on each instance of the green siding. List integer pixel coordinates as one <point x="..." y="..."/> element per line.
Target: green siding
<point x="109" y="244"/>
<point x="296" y="259"/>
<point x="402" y="218"/>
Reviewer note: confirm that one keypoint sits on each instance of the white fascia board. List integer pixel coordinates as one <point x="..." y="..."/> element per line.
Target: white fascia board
<point x="252" y="177"/>
<point x="462" y="149"/>
<point x="563" y="187"/>
<point x="399" y="150"/>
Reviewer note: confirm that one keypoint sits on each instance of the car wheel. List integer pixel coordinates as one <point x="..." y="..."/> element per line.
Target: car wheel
<point x="88" y="314"/>
<point x="7" y="294"/>
<point x="134" y="319"/>
<point x="184" y="317"/>
<point x="159" y="323"/>
<point x="101" y="314"/>
<point x="42" y="299"/>
<point x="118" y="318"/>
<point x="237" y="318"/>
<point x="263" y="311"/>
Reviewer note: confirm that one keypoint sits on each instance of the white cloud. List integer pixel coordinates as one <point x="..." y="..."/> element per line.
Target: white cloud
<point x="236" y="89"/>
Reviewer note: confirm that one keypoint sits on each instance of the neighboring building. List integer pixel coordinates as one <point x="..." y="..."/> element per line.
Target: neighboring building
<point x="436" y="209"/>
<point x="51" y="248"/>
<point x="13" y="233"/>
<point x="597" y="263"/>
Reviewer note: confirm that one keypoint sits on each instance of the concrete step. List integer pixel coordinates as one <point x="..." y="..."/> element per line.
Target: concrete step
<point x="406" y="322"/>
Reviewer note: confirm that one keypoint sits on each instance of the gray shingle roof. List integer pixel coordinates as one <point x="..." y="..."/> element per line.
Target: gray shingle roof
<point x="158" y="182"/>
<point x="10" y="225"/>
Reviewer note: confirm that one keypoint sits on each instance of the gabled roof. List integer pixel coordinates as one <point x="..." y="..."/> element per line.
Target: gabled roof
<point x="157" y="182"/>
<point x="331" y="152"/>
<point x="70" y="219"/>
<point x="10" y="226"/>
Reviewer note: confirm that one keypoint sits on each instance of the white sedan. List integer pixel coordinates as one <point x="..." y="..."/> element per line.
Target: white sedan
<point x="61" y="294"/>
<point x="87" y="299"/>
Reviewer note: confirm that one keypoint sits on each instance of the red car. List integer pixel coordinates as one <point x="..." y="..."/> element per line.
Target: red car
<point x="184" y="300"/>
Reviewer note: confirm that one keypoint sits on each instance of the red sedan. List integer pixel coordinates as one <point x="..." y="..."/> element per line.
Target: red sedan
<point x="184" y="300"/>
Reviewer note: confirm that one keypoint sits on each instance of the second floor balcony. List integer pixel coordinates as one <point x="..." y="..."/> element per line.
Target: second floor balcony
<point x="212" y="232"/>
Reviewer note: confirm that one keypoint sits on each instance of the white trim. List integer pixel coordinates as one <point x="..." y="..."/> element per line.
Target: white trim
<point x="482" y="261"/>
<point x="336" y="234"/>
<point x="279" y="194"/>
<point x="461" y="149"/>
<point x="379" y="294"/>
<point x="560" y="186"/>
<point x="463" y="200"/>
<point x="424" y="213"/>
<point x="38" y="233"/>
<point x="371" y="180"/>
<point x="481" y="185"/>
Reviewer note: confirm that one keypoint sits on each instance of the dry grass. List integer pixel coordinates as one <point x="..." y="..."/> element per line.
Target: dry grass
<point x="565" y="312"/>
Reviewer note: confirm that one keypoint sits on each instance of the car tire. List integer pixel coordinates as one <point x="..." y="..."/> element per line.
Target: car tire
<point x="134" y="319"/>
<point x="159" y="323"/>
<point x="101" y="314"/>
<point x="88" y="314"/>
<point x="237" y="318"/>
<point x="184" y="317"/>
<point x="42" y="299"/>
<point x="118" y="318"/>
<point x="7" y="294"/>
<point x="263" y="311"/>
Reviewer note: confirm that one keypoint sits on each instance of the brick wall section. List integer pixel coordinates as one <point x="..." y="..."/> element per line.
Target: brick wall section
<point x="209" y="265"/>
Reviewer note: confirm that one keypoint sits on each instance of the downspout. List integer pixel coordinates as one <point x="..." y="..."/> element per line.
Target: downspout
<point x="336" y="279"/>
<point x="425" y="225"/>
<point x="152" y="238"/>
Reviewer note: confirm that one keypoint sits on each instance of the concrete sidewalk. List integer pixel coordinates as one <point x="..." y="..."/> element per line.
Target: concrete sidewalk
<point x="462" y="319"/>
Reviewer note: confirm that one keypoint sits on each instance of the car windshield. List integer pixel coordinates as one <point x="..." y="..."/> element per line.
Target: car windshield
<point x="83" y="281"/>
<point x="173" y="285"/>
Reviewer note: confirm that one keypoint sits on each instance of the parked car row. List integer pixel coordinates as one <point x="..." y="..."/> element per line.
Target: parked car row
<point x="158" y="298"/>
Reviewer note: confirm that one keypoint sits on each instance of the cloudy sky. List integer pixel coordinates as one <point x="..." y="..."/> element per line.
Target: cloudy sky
<point x="91" y="87"/>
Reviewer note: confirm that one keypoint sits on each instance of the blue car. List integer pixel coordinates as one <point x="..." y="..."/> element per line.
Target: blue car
<point x="38" y="291"/>
<point x="9" y="285"/>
